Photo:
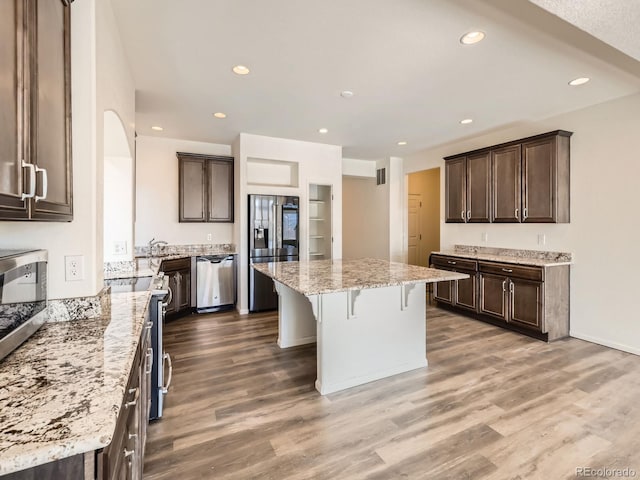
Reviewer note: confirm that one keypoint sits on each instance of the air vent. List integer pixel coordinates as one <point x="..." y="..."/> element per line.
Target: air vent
<point x="381" y="176"/>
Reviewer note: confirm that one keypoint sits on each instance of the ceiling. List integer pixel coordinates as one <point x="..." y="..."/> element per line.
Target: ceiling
<point x="412" y="79"/>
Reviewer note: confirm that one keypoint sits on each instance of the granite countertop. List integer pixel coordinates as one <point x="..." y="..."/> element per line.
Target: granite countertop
<point x="533" y="258"/>
<point x="329" y="276"/>
<point x="61" y="391"/>
<point x="147" y="266"/>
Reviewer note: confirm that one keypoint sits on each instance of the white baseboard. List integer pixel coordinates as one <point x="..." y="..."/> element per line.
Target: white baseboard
<point x="606" y="343"/>
<point x="296" y="342"/>
<point x="353" y="382"/>
<point x="243" y="311"/>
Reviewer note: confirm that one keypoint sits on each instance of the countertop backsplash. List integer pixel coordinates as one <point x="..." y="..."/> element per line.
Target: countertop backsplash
<point x="192" y="249"/>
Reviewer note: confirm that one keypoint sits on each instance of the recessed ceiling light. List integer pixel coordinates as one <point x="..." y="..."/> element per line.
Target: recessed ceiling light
<point x="220" y="115"/>
<point x="466" y="121"/>
<point x="470" y="38"/>
<point x="346" y="94"/>
<point x="157" y="128"/>
<point x="240" y="70"/>
<point x="579" y="81"/>
<point x="323" y="130"/>
<point x="402" y="143"/>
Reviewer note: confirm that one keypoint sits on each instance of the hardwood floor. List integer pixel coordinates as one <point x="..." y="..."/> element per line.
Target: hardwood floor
<point x="492" y="404"/>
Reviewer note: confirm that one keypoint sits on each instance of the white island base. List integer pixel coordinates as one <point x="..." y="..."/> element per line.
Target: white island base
<point x="362" y="335"/>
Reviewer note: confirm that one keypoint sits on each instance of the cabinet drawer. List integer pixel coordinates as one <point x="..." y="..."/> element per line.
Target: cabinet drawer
<point x="176" y="264"/>
<point x="454" y="262"/>
<point x="510" y="270"/>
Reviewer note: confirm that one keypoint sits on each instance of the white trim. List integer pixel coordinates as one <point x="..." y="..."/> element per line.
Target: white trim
<point x="378" y="375"/>
<point x="606" y="343"/>
<point x="296" y="342"/>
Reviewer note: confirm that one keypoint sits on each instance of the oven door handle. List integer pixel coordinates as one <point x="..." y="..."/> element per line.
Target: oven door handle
<point x="167" y="357"/>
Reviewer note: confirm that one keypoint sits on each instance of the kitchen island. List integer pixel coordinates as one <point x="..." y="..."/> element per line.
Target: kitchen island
<point x="367" y="316"/>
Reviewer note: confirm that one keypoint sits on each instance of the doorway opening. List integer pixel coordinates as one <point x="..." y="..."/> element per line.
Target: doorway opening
<point x="423" y="222"/>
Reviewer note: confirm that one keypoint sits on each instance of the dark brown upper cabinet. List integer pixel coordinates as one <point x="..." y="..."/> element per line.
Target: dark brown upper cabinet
<point x="467" y="188"/>
<point x="205" y="188"/>
<point x="35" y="138"/>
<point x="456" y="190"/>
<point x="545" y="178"/>
<point x="506" y="184"/>
<point x="526" y="181"/>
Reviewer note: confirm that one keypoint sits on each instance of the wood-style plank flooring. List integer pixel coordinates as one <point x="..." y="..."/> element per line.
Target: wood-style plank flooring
<point x="492" y="405"/>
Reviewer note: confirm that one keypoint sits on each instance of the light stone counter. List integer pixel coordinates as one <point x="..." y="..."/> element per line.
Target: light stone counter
<point x="61" y="391"/>
<point x="329" y="276"/>
<point x="534" y="258"/>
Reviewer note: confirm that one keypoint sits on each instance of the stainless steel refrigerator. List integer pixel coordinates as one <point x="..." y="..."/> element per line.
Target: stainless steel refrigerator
<point x="273" y="237"/>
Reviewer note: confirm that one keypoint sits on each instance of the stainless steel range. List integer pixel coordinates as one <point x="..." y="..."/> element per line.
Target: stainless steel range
<point x="23" y="296"/>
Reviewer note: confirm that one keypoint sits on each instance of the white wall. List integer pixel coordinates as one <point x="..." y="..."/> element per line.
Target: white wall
<point x="604" y="231"/>
<point x="118" y="207"/>
<point x="157" y="193"/>
<point x="317" y="163"/>
<point x="358" y="168"/>
<point x="90" y="20"/>
<point x="365" y="218"/>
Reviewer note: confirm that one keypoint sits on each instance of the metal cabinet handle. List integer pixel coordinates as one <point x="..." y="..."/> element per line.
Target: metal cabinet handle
<point x="468" y="215"/>
<point x="516" y="214"/>
<point x="133" y="435"/>
<point x="149" y="360"/>
<point x="149" y="325"/>
<point x="167" y="357"/>
<point x="45" y="184"/>
<point x="504" y="285"/>
<point x="32" y="180"/>
<point x="525" y="214"/>
<point x="136" y="392"/>
<point x="129" y="453"/>
<point x="462" y="215"/>
<point x="166" y="304"/>
<point x="508" y="270"/>
<point x="511" y="287"/>
<point x="451" y="263"/>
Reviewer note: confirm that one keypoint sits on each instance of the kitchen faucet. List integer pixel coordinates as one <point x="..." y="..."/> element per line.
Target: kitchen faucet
<point x="156" y="243"/>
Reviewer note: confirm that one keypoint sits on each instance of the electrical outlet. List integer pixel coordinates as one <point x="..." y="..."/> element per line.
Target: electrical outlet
<point x="485" y="237"/>
<point x="542" y="239"/>
<point x="120" y="247"/>
<point x="29" y="276"/>
<point x="74" y="268"/>
<point x="209" y="237"/>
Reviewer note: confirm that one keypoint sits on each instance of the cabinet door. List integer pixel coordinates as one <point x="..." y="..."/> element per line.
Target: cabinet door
<point x="51" y="110"/>
<point x="456" y="190"/>
<point x="443" y="292"/>
<point x="506" y="182"/>
<point x="466" y="292"/>
<point x="493" y="289"/>
<point x="173" y="285"/>
<point x="12" y="107"/>
<point x="192" y="191"/>
<point x="539" y="180"/>
<point x="525" y="305"/>
<point x="184" y="290"/>
<point x="220" y="191"/>
<point x="478" y="182"/>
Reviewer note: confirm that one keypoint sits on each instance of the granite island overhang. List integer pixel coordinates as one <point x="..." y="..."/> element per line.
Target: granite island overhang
<point x="367" y="316"/>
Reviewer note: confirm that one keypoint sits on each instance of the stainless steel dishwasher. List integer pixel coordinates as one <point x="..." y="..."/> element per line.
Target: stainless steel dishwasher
<point x="215" y="282"/>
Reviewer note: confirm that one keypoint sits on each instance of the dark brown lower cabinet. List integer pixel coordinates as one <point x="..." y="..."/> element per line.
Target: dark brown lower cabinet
<point x="459" y="293"/>
<point x="531" y="300"/>
<point x="123" y="458"/>
<point x="179" y="273"/>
